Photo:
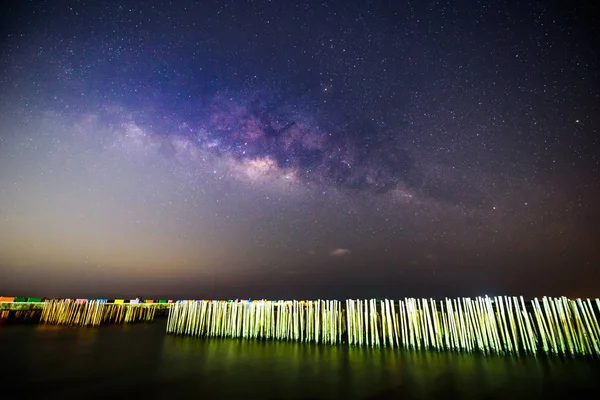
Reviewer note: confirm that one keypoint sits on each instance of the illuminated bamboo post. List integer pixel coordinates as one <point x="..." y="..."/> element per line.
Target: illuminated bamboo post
<point x="318" y="326"/>
<point x="593" y="318"/>
<point x="229" y="320"/>
<point x="383" y="324"/>
<point x="367" y="322"/>
<point x="557" y="325"/>
<point x="314" y="318"/>
<point x="218" y="319"/>
<point x="361" y="318"/>
<point x="471" y="317"/>
<point x="420" y="328"/>
<point x="182" y="321"/>
<point x="422" y="318"/>
<point x="390" y="317"/>
<point x="187" y="317"/>
<point x="501" y="319"/>
<point x="452" y="325"/>
<point x="342" y="330"/>
<point x="350" y="322"/>
<point x="333" y="321"/>
<point x="408" y="328"/>
<point x="520" y="324"/>
<point x="309" y="321"/>
<point x="325" y="321"/>
<point x="498" y="324"/>
<point x="512" y="323"/>
<point x="190" y="308"/>
<point x="256" y="318"/>
<point x="237" y="319"/>
<point x="260" y="319"/>
<point x="583" y="338"/>
<point x="239" y="308"/>
<point x="375" y="323"/>
<point x="589" y="333"/>
<point x="330" y="318"/>
<point x="466" y="324"/>
<point x="456" y="325"/>
<point x="372" y="317"/>
<point x="594" y="323"/>
<point x="395" y="325"/>
<point x="565" y="317"/>
<point x="197" y="314"/>
<point x="528" y="317"/>
<point x="352" y="329"/>
<point x="413" y="323"/>
<point x="492" y="319"/>
<point x="364" y="321"/>
<point x="514" y="327"/>
<point x="471" y="326"/>
<point x="266" y="319"/>
<point x="541" y="325"/>
<point x="549" y="325"/>
<point x="478" y="326"/>
<point x="442" y="323"/>
<point x="340" y="326"/>
<point x="287" y="328"/>
<point x="483" y="324"/>
<point x="391" y="320"/>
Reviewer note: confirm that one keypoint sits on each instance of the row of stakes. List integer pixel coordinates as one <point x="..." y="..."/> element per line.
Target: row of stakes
<point x="501" y="325"/>
<point x="93" y="313"/>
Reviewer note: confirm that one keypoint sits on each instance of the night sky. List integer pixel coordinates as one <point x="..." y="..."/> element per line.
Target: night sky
<point x="279" y="149"/>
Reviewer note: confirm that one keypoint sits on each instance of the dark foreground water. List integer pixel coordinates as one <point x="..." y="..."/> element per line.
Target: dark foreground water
<point x="140" y="361"/>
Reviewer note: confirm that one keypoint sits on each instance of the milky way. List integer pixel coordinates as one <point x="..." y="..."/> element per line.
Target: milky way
<point x="341" y="149"/>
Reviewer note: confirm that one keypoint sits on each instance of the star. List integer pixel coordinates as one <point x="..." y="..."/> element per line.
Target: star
<point x="200" y="149"/>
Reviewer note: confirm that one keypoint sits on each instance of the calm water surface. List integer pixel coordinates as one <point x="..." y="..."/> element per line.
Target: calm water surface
<point x="140" y="361"/>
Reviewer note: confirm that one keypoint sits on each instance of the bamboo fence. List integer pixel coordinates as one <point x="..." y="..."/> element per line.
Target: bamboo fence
<point x="94" y="313"/>
<point x="500" y="325"/>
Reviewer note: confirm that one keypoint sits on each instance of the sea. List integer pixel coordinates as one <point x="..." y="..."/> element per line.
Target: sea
<point x="141" y="361"/>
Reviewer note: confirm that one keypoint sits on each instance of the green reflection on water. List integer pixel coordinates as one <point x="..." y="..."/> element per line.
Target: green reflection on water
<point x="58" y="362"/>
<point x="322" y="371"/>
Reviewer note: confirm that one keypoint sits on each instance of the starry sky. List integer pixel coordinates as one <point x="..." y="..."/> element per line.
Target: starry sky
<point x="283" y="149"/>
